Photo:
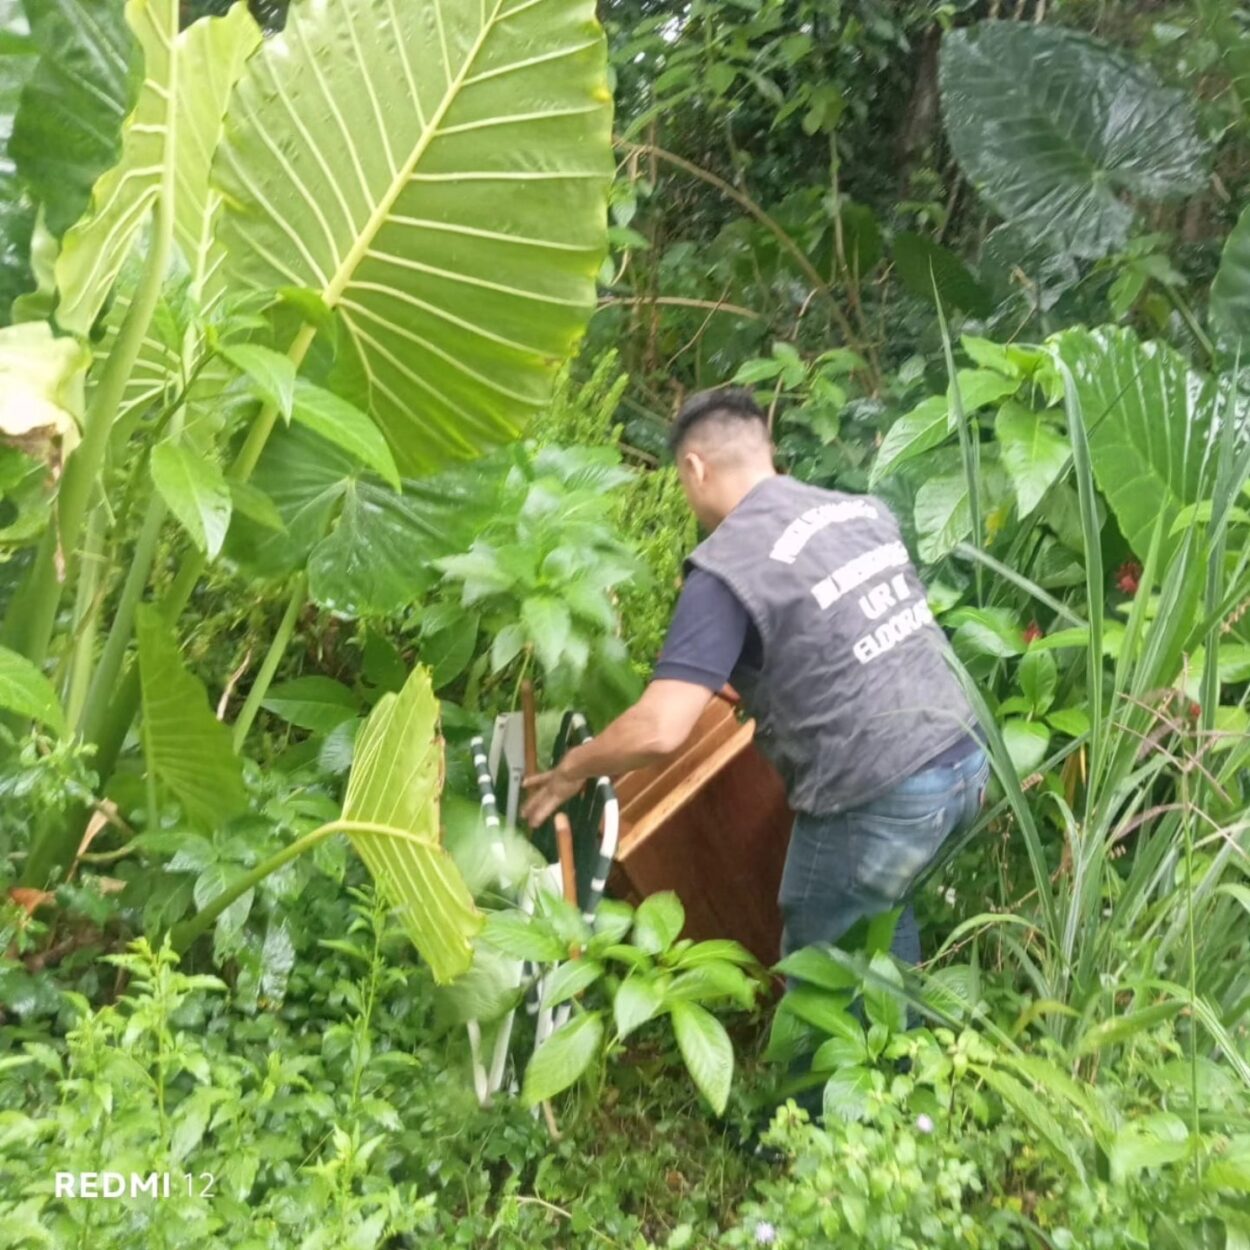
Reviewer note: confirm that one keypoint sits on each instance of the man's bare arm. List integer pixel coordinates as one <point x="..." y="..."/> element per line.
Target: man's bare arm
<point x="654" y="727"/>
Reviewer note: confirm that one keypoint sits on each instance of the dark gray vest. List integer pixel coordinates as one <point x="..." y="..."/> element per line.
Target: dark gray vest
<point x="855" y="693"/>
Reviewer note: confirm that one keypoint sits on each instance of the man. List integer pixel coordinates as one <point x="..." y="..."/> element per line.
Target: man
<point x="806" y="601"/>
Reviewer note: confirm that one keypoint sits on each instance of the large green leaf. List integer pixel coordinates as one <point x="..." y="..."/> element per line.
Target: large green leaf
<point x="1034" y="453"/>
<point x="26" y="691"/>
<point x="569" y="980"/>
<point x="637" y="1000"/>
<point x="548" y="622"/>
<point x="943" y="515"/>
<point x="270" y="374"/>
<point x="18" y="57"/>
<point x="846" y="1095"/>
<point x="930" y="423"/>
<point x="824" y="1010"/>
<point x="707" y="1050"/>
<point x="367" y="547"/>
<point x="67" y="130"/>
<point x="167" y="144"/>
<point x="943" y="510"/>
<point x="1149" y="1142"/>
<point x="196" y="492"/>
<point x="1230" y="292"/>
<point x="346" y="426"/>
<point x="562" y="1058"/>
<point x="187" y="747"/>
<point x="1149" y="419"/>
<point x="818" y="967"/>
<point x="95" y="248"/>
<point x="396" y="781"/>
<point x="985" y="631"/>
<point x="316" y="702"/>
<point x="1026" y="742"/>
<point x="883" y="1005"/>
<point x="914" y="433"/>
<point x="658" y="922"/>
<point x="437" y="173"/>
<point x="211" y="56"/>
<point x="923" y="265"/>
<point x="1054" y="128"/>
<point x="523" y="937"/>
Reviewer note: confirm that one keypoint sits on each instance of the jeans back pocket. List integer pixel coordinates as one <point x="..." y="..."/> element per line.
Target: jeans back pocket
<point x="891" y="851"/>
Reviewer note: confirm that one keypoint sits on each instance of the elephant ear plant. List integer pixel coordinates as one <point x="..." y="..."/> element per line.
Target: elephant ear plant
<point x="385" y="238"/>
<point x="391" y="815"/>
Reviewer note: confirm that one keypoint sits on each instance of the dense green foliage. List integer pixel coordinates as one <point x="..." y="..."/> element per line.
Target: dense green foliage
<point x="307" y="466"/>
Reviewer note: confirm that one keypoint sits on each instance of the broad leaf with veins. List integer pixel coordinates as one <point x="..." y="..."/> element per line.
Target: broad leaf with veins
<point x="207" y="59"/>
<point x="369" y="549"/>
<point x="1054" y="128"/>
<point x="1150" y="419"/>
<point x="96" y="247"/>
<point x="395" y="784"/>
<point x="455" y="221"/>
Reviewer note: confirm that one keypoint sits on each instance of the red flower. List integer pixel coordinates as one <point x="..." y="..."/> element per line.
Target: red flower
<point x="1033" y="633"/>
<point x="1128" y="577"/>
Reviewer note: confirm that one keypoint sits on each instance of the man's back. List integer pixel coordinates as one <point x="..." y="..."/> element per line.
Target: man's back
<point x="854" y="691"/>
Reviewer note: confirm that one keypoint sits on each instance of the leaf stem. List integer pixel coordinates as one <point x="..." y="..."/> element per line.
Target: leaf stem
<point x="969" y="437"/>
<point x="149" y="781"/>
<point x="42" y="589"/>
<point x="114" y="711"/>
<point x="1196" y="332"/>
<point x="103" y="686"/>
<point x="86" y="616"/>
<point x="185" y="933"/>
<point x="1187" y="826"/>
<point x="677" y="301"/>
<point x="273" y="657"/>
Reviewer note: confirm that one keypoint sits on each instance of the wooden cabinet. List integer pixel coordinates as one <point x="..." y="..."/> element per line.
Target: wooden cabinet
<point x="712" y="824"/>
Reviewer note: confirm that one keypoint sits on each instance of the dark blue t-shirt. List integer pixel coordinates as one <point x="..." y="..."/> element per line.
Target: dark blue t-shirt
<point x="709" y="634"/>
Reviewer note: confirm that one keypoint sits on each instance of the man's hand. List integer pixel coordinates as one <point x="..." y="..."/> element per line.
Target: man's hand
<point x="549" y="791"/>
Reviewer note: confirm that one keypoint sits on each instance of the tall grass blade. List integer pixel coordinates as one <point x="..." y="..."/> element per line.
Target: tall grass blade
<point x="1092" y="534"/>
<point x="969" y="446"/>
<point x="1008" y="574"/>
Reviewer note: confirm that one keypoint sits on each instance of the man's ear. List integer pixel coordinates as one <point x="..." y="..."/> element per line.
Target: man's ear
<point x="696" y="466"/>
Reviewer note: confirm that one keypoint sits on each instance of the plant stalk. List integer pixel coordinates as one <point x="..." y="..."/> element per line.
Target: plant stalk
<point x="273" y="657"/>
<point x="119" y="705"/>
<point x="176" y="598"/>
<point x="969" y="438"/>
<point x="86" y="616"/>
<point x="40" y="594"/>
<point x="103" y="687"/>
<point x="187" y="931"/>
<point x="1200" y="337"/>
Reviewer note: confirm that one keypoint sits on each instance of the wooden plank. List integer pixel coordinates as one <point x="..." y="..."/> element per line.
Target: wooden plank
<point x="682" y="783"/>
<point x="715" y="721"/>
<point x="717" y="835"/>
<point x="670" y="773"/>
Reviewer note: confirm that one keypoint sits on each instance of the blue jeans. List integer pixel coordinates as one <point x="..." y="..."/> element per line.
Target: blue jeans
<point x="856" y="864"/>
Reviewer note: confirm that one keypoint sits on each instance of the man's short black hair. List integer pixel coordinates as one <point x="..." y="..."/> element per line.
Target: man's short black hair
<point x="723" y="403"/>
